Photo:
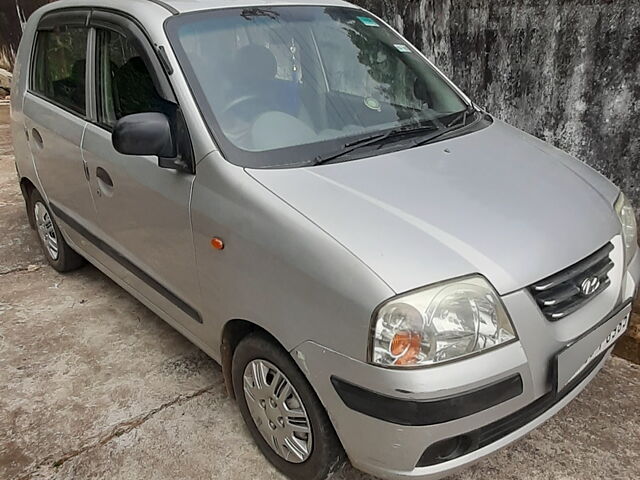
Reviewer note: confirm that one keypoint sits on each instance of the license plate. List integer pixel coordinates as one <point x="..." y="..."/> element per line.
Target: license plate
<point x="577" y="356"/>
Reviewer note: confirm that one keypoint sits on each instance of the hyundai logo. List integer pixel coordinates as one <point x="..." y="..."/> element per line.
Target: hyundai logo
<point x="589" y="285"/>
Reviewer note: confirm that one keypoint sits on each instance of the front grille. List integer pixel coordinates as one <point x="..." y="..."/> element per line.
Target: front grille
<point x="565" y="292"/>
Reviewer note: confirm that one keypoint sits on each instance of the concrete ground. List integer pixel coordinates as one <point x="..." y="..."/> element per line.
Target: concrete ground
<point x="94" y="385"/>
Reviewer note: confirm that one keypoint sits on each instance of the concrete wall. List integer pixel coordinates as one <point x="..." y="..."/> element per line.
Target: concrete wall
<point x="567" y="71"/>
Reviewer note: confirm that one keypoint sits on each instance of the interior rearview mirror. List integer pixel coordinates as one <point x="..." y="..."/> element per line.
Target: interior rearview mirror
<point x="144" y="134"/>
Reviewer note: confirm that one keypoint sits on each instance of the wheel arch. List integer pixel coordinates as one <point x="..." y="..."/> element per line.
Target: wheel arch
<point x="232" y="334"/>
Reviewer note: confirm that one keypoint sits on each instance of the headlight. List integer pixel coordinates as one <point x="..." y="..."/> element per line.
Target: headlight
<point x="629" y="227"/>
<point x="439" y="323"/>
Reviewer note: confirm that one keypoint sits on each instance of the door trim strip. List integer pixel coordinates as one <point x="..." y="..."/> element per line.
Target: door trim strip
<point x="128" y="264"/>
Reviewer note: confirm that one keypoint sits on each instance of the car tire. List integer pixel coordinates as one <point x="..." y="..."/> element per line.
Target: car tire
<point x="56" y="250"/>
<point x="325" y="455"/>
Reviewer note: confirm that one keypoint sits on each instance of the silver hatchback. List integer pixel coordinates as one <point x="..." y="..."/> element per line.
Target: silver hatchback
<point x="385" y="272"/>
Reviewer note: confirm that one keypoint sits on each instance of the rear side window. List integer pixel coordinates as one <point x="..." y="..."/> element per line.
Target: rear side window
<point x="60" y="66"/>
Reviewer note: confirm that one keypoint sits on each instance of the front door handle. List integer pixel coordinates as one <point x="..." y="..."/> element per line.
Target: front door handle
<point x="102" y="175"/>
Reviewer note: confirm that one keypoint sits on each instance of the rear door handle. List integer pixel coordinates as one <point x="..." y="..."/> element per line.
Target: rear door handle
<point x="102" y="174"/>
<point x="85" y="167"/>
<point x="35" y="134"/>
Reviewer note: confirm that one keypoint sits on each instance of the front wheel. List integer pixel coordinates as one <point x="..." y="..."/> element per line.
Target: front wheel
<point x="282" y="411"/>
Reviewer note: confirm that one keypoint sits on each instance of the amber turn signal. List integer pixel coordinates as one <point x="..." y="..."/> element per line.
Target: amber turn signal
<point x="217" y="243"/>
<point x="405" y="346"/>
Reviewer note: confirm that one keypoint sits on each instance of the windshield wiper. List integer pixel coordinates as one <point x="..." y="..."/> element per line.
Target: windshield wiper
<point x="461" y="116"/>
<point x="459" y="121"/>
<point x="377" y="138"/>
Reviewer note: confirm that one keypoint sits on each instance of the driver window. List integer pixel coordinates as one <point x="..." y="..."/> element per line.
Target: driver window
<point x="125" y="85"/>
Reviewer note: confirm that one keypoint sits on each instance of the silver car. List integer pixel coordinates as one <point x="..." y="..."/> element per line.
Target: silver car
<point x="385" y="272"/>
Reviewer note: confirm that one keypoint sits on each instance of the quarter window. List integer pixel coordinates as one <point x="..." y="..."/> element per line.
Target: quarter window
<point x="60" y="66"/>
<point x="125" y="85"/>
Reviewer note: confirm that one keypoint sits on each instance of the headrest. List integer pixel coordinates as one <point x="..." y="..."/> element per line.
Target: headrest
<point x="255" y="62"/>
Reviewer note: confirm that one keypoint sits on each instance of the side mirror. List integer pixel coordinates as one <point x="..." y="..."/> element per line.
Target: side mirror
<point x="144" y="134"/>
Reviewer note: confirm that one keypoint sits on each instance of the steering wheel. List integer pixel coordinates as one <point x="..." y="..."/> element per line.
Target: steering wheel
<point x="241" y="100"/>
<point x="239" y="123"/>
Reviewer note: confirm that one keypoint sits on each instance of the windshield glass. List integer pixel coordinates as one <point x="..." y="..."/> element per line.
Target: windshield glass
<point x="280" y="86"/>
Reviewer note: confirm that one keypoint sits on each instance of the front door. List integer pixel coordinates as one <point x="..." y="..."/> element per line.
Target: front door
<point x="143" y="210"/>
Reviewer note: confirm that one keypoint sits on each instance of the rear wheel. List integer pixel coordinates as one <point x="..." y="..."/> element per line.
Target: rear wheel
<point x="57" y="252"/>
<point x="282" y="411"/>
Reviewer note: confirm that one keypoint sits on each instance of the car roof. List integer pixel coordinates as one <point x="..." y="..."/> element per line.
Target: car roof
<point x="182" y="6"/>
<point x="191" y="5"/>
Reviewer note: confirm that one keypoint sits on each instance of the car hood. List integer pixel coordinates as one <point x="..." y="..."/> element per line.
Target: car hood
<point x="496" y="201"/>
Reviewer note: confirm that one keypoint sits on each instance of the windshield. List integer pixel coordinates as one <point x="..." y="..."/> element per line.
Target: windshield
<point x="280" y="86"/>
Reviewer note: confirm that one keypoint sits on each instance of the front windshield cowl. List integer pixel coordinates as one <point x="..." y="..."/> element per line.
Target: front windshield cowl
<point x="286" y="85"/>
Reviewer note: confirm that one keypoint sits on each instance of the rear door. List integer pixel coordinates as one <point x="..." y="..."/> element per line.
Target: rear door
<point x="142" y="209"/>
<point x="55" y="108"/>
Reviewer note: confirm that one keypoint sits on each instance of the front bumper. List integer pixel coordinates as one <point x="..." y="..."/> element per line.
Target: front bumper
<point x="392" y="451"/>
<point x="400" y="448"/>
